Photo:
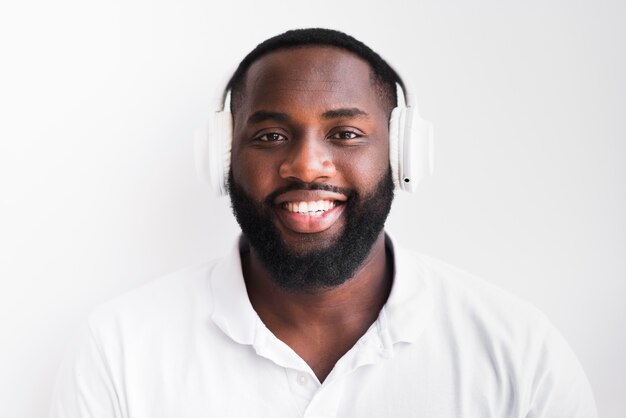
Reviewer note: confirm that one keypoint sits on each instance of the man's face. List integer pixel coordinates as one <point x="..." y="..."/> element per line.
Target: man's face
<point x="310" y="179"/>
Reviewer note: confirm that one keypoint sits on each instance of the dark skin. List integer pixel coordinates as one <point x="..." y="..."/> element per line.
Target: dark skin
<point x="312" y="115"/>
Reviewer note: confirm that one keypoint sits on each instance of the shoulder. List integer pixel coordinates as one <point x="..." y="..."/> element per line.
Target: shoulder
<point x="494" y="333"/>
<point x="164" y="302"/>
<point x="460" y="294"/>
<point x="485" y="319"/>
<point x="464" y="293"/>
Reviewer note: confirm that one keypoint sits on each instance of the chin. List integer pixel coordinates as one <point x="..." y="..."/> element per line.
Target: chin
<point x="299" y="243"/>
<point x="302" y="245"/>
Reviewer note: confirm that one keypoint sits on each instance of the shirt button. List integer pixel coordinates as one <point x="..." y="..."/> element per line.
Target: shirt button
<point x="302" y="379"/>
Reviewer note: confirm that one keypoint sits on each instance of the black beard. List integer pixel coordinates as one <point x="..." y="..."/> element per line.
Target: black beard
<point x="322" y="268"/>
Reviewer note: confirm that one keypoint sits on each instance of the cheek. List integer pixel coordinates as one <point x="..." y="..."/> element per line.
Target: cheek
<point x="364" y="168"/>
<point x="253" y="173"/>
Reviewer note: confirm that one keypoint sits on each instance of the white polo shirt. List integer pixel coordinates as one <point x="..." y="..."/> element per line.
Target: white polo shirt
<point x="444" y="345"/>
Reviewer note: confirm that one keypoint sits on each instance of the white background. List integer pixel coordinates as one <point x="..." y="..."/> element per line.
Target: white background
<point x="98" y="194"/>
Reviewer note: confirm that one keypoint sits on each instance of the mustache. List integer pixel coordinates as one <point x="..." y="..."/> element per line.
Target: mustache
<point x="349" y="193"/>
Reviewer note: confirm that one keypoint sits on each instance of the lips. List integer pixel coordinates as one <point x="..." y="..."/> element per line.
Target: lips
<point x="309" y="211"/>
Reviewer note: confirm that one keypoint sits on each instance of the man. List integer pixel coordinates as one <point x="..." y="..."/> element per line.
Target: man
<point x="317" y="313"/>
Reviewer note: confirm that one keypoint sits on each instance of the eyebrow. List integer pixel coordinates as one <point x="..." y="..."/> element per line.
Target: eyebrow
<point x="344" y="113"/>
<point x="263" y="115"/>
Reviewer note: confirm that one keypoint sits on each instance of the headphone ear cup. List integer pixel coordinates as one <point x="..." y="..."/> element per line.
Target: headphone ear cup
<point x="410" y="148"/>
<point x="395" y="124"/>
<point x="212" y="151"/>
<point x="416" y="150"/>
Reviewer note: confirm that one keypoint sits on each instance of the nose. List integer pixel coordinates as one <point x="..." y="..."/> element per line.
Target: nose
<point x="308" y="160"/>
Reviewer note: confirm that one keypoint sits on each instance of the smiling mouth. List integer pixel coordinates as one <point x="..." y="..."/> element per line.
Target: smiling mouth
<point x="310" y="216"/>
<point x="310" y="208"/>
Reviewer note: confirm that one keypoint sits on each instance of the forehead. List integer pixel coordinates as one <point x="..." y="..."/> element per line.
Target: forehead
<point x="309" y="75"/>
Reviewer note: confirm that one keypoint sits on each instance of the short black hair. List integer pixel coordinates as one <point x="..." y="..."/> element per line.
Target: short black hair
<point x="384" y="77"/>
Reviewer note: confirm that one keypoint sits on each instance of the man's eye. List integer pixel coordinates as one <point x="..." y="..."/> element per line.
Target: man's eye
<point x="271" y="137"/>
<point x="344" y="135"/>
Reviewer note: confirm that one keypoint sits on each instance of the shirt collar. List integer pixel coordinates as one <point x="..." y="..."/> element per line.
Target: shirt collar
<point x="406" y="313"/>
<point x="410" y="306"/>
<point x="232" y="311"/>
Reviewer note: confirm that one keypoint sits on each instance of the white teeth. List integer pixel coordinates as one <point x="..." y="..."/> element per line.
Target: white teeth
<point x="310" y="208"/>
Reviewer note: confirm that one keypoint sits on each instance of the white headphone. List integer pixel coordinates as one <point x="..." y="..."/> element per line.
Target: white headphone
<point x="410" y="145"/>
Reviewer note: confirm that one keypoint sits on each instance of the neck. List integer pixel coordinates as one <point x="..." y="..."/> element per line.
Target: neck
<point x="322" y="326"/>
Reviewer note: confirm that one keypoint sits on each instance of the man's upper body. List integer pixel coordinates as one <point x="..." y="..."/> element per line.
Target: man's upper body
<point x="316" y="313"/>
<point x="445" y="345"/>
